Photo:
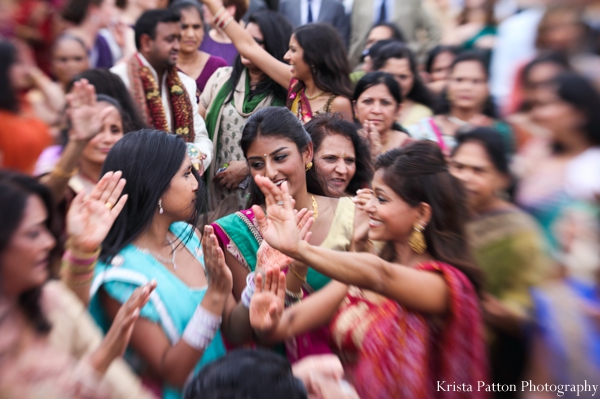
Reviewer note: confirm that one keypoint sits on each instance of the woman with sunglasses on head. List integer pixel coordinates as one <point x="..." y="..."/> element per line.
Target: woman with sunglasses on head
<point x="232" y="95"/>
<point x="318" y="71"/>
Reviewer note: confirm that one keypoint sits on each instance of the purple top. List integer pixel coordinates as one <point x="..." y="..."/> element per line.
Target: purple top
<point x="211" y="66"/>
<point x="227" y="51"/>
<point x="101" y="56"/>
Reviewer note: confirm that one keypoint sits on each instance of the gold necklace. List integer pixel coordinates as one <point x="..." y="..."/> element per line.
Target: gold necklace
<point x="315" y="207"/>
<point x="319" y="94"/>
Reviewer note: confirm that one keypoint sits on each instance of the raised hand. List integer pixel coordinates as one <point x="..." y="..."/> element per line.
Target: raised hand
<point x="267" y="256"/>
<point x="279" y="229"/>
<point x="86" y="122"/>
<point x="218" y="275"/>
<point x="268" y="302"/>
<point x="90" y="218"/>
<point x="117" y="338"/>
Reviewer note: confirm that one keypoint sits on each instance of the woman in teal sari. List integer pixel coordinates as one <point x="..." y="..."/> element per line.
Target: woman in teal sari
<point x="180" y="329"/>
<point x="276" y="145"/>
<point x="231" y="95"/>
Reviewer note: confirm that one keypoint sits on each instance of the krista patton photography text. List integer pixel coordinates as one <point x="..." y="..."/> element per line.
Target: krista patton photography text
<point x="585" y="388"/>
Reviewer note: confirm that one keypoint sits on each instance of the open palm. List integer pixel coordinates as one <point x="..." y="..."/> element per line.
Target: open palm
<point x="268" y="301"/>
<point x="90" y="219"/>
<point x="86" y="121"/>
<point x="280" y="228"/>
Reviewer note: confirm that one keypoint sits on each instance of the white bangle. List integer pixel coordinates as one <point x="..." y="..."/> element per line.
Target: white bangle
<point x="249" y="290"/>
<point x="201" y="329"/>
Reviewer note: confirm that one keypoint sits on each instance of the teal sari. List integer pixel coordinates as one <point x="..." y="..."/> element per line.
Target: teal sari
<point x="171" y="305"/>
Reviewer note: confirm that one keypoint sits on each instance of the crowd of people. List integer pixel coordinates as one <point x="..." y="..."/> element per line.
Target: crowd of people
<point x="300" y="199"/>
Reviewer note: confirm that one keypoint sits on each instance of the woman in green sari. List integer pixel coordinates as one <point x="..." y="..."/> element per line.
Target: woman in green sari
<point x="277" y="146"/>
<point x="507" y="245"/>
<point x="226" y="109"/>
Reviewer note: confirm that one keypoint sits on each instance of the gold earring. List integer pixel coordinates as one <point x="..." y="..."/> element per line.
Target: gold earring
<point x="309" y="166"/>
<point x="416" y="241"/>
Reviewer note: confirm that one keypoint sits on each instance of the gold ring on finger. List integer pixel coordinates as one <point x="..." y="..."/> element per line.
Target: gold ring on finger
<point x="109" y="205"/>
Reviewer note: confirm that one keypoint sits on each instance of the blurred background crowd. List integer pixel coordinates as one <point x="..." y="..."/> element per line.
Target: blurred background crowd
<point x="125" y="122"/>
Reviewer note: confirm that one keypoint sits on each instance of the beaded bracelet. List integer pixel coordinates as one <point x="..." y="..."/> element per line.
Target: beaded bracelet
<point x="226" y="24"/>
<point x="221" y="19"/>
<point x="249" y="290"/>
<point x="201" y="329"/>
<point x="218" y="14"/>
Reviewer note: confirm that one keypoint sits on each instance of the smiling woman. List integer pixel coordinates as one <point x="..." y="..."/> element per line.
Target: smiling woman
<point x="278" y="147"/>
<point x="95" y="125"/>
<point x="416" y="300"/>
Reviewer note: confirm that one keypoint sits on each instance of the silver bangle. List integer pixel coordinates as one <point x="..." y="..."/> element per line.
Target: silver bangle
<point x="201" y="329"/>
<point x="248" y="291"/>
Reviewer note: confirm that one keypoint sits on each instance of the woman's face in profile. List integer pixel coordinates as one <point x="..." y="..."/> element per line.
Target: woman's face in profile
<point x="25" y="261"/>
<point x="179" y="201"/>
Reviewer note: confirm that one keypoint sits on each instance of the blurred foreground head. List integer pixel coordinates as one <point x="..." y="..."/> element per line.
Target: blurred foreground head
<point x="247" y="374"/>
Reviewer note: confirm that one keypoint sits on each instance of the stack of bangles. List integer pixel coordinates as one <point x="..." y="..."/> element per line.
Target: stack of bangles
<point x="77" y="268"/>
<point x="290" y="297"/>
<point x="201" y="329"/>
<point x="222" y="18"/>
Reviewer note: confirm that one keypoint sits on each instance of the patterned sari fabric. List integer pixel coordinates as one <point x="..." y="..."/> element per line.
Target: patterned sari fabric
<point x="238" y="234"/>
<point x="391" y="352"/>
<point x="298" y="103"/>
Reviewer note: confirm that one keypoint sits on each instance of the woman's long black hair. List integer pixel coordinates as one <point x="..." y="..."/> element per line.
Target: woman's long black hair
<point x="15" y="190"/>
<point x="276" y="31"/>
<point x="148" y="159"/>
<point x="325" y="54"/>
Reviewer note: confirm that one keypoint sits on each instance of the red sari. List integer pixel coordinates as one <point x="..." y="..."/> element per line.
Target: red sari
<point x="391" y="352"/>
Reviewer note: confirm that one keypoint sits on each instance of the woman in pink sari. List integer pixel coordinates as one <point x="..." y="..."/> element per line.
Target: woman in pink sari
<point x="405" y="321"/>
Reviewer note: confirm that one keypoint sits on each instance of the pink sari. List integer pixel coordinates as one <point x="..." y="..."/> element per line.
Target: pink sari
<point x="391" y="352"/>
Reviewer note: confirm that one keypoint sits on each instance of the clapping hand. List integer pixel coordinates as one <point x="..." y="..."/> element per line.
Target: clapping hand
<point x="86" y="121"/>
<point x="90" y="218"/>
<point x="280" y="229"/>
<point x="117" y="338"/>
<point x="218" y="275"/>
<point x="268" y="301"/>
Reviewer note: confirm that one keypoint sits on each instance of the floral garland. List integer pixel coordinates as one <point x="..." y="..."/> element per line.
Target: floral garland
<point x="148" y="96"/>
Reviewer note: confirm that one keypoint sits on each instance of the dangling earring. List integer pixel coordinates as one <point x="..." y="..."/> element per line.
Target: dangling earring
<point x="309" y="166"/>
<point x="160" y="208"/>
<point x="416" y="241"/>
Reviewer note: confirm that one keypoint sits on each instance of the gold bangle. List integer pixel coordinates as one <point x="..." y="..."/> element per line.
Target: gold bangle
<point x="295" y="273"/>
<point x="60" y="173"/>
<point x="82" y="255"/>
